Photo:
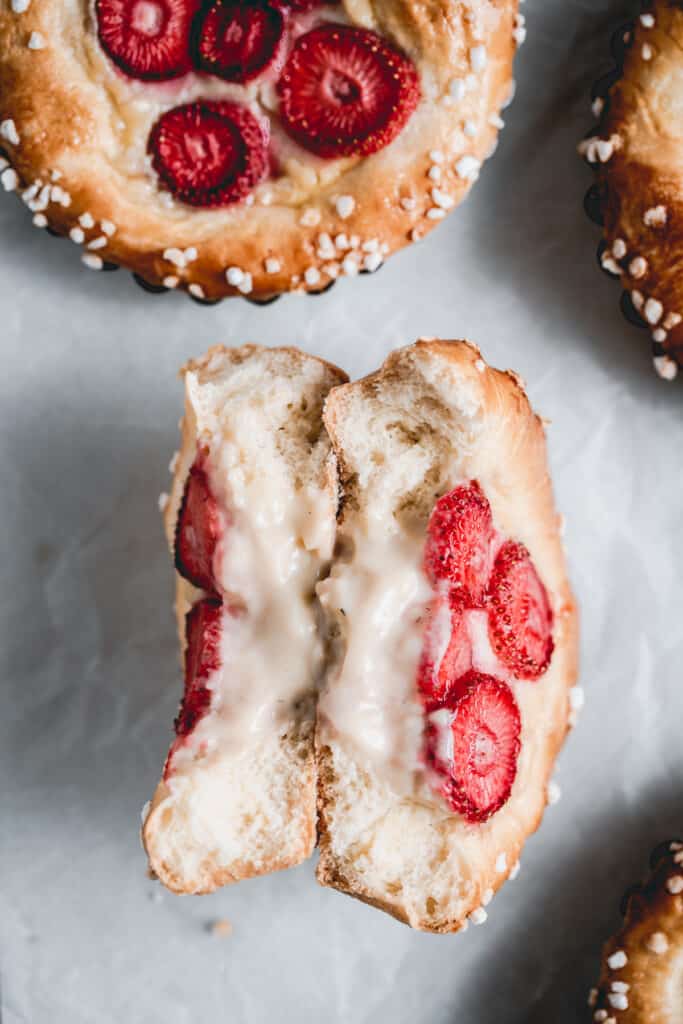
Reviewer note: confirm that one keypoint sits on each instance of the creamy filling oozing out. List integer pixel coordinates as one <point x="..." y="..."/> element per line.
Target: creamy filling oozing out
<point x="380" y="602"/>
<point x="377" y="601"/>
<point x="386" y="699"/>
<point x="430" y="632"/>
<point x="266" y="564"/>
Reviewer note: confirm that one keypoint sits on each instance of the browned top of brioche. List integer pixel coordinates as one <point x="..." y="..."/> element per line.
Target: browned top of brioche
<point x="637" y="153"/>
<point x="641" y="979"/>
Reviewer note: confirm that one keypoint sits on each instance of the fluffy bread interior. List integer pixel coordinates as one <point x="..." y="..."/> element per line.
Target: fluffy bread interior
<point x="238" y="798"/>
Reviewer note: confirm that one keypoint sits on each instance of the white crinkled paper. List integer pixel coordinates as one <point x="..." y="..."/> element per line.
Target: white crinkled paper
<point x="88" y="410"/>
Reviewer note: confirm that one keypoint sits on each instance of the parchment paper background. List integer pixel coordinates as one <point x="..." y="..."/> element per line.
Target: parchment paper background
<point x="88" y="410"/>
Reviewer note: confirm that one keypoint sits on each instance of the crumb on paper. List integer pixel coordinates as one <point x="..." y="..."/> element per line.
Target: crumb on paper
<point x="221" y="928"/>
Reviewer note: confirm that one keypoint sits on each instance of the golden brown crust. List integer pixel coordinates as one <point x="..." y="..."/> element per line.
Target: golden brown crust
<point x="641" y="979"/>
<point x="637" y="154"/>
<point x="75" y="136"/>
<point x="517" y="441"/>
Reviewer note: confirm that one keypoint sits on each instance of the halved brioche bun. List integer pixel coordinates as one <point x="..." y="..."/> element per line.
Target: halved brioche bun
<point x="238" y="794"/>
<point x="433" y="416"/>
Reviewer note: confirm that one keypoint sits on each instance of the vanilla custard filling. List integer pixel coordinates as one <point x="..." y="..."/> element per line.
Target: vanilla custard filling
<point x="275" y="538"/>
<point x="379" y="600"/>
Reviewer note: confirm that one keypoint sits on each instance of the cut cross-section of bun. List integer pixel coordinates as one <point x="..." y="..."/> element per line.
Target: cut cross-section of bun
<point x="251" y="520"/>
<point x="453" y="637"/>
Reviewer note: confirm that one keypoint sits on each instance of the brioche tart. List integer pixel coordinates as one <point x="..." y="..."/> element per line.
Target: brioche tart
<point x="248" y="147"/>
<point x="641" y="979"/>
<point x="636" y="152"/>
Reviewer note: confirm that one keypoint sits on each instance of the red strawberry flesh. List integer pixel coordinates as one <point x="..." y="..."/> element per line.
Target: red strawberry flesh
<point x="202" y="659"/>
<point x="459" y="538"/>
<point x="198" y="530"/>
<point x="520" y="616"/>
<point x="346" y="91"/>
<point x="446" y="656"/>
<point x="147" y="39"/>
<point x="209" y="153"/>
<point x="238" y="41"/>
<point x="485" y="736"/>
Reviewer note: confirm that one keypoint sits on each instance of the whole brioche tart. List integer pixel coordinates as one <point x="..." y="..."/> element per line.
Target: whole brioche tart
<point x="641" y="981"/>
<point x="637" y="154"/>
<point x="244" y="146"/>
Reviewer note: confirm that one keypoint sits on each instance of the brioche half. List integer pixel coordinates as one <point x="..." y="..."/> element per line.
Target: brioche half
<point x="636" y="152"/>
<point x="433" y="419"/>
<point x="251" y="518"/>
<point x="642" y="965"/>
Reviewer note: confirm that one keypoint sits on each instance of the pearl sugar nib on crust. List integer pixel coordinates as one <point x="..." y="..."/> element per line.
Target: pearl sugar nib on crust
<point x="278" y="123"/>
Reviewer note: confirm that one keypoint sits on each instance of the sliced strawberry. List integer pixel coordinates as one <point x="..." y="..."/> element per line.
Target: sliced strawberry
<point x="209" y="153"/>
<point x="485" y="737"/>
<point x="520" y="616"/>
<point x="202" y="658"/>
<point x="446" y="656"/>
<point x="148" y="39"/>
<point x="198" y="531"/>
<point x="346" y="92"/>
<point x="238" y="42"/>
<point x="458" y="547"/>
